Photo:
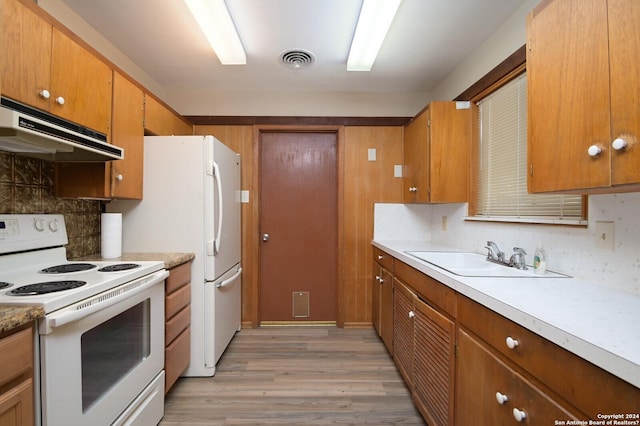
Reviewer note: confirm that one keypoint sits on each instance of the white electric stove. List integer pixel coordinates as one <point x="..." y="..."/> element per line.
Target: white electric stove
<point x="100" y="347"/>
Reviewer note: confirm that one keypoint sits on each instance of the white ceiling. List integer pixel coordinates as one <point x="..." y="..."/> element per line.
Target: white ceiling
<point x="427" y="40"/>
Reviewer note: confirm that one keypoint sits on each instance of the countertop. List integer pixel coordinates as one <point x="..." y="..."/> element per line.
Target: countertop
<point x="598" y="323"/>
<point x="171" y="260"/>
<point x="12" y="316"/>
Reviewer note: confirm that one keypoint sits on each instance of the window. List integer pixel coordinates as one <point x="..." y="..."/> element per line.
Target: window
<point x="500" y="183"/>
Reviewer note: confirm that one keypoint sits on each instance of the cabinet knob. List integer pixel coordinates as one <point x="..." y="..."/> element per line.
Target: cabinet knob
<point x="413" y="189"/>
<point x="512" y="343"/>
<point x="619" y="144"/>
<point x="44" y="93"/>
<point x="519" y="415"/>
<point x="501" y="398"/>
<point x="380" y="257"/>
<point x="379" y="279"/>
<point x="594" y="150"/>
<point x="119" y="177"/>
<point x="60" y="100"/>
<point x="412" y="314"/>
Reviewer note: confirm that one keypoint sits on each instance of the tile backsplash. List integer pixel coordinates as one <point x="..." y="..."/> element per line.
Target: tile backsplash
<point x="26" y="186"/>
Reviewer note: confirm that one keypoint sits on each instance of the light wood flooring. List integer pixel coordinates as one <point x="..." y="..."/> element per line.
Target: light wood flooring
<point x="296" y="376"/>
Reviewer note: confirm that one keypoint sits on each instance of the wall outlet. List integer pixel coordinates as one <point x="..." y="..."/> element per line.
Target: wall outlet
<point x="605" y="235"/>
<point x="444" y="223"/>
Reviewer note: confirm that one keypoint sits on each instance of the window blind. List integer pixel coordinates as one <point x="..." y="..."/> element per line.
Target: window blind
<point x="502" y="162"/>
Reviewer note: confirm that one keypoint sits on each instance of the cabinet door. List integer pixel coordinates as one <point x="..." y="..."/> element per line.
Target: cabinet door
<point x="83" y="81"/>
<point x="624" y="50"/>
<point x="434" y="361"/>
<point x="386" y="310"/>
<point x="128" y="133"/>
<point x="16" y="405"/>
<point x="416" y="160"/>
<point x="488" y="391"/>
<point x="160" y="121"/>
<point x="480" y="377"/>
<point x="376" y="290"/>
<point x="26" y="49"/>
<point x="449" y="143"/>
<point x="403" y="315"/>
<point x="568" y="95"/>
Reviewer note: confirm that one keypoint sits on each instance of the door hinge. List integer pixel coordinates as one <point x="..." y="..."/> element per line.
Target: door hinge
<point x="455" y="350"/>
<point x="531" y="169"/>
<point x="429" y="123"/>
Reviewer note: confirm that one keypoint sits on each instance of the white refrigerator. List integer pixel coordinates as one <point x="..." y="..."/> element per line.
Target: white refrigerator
<point x="191" y="203"/>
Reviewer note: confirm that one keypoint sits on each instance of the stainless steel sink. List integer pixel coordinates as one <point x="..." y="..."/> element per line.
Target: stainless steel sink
<point x="469" y="264"/>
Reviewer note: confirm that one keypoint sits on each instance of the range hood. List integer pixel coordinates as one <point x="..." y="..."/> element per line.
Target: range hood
<point x="28" y="131"/>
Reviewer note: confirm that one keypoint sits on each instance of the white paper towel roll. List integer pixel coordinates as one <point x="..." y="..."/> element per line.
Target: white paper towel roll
<point x="111" y="235"/>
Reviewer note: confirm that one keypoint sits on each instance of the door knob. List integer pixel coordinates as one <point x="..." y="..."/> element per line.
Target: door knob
<point x="265" y="237"/>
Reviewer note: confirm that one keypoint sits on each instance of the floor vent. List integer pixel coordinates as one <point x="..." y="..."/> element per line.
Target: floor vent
<point x="300" y="304"/>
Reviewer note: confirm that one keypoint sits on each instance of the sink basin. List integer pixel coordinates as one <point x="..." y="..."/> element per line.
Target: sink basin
<point x="468" y="264"/>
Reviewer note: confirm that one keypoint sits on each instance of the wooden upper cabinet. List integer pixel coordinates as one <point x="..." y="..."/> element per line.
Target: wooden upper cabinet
<point x="26" y="51"/>
<point x="161" y="121"/>
<point x="582" y="96"/>
<point x="128" y="133"/>
<point x="45" y="68"/>
<point x="436" y="154"/>
<point x="112" y="179"/>
<point x="83" y="81"/>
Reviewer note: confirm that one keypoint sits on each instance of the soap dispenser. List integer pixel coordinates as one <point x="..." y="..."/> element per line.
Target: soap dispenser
<point x="539" y="260"/>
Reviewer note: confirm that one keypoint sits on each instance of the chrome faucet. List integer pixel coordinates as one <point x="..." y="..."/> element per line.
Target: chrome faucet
<point x="494" y="253"/>
<point x="517" y="258"/>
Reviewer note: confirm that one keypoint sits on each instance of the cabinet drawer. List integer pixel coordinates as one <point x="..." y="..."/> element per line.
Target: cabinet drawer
<point x="175" y="325"/>
<point x="176" y="358"/>
<point x="427" y="288"/>
<point x="383" y="259"/>
<point x="178" y="276"/>
<point x="16" y="355"/>
<point x="588" y="387"/>
<point x="176" y="301"/>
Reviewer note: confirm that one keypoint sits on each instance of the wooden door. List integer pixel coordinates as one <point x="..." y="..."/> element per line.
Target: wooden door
<point x="298" y="226"/>
<point x="625" y="86"/>
<point x="568" y="95"/>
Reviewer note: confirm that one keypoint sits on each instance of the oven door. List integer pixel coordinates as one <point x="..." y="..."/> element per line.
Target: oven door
<point x="99" y="355"/>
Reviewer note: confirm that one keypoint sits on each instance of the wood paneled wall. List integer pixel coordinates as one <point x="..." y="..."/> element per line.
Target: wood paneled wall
<point x="364" y="183"/>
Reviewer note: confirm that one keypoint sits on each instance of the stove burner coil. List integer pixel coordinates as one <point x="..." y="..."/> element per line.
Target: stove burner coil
<point x="4" y="284"/>
<point x="45" y="287"/>
<point x="117" y="267"/>
<point x="67" y="268"/>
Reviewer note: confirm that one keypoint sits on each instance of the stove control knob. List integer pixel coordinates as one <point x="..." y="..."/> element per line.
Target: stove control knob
<point x="53" y="225"/>
<point x="38" y="224"/>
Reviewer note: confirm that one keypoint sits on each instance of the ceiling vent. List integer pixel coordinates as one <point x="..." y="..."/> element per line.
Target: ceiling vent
<point x="297" y="58"/>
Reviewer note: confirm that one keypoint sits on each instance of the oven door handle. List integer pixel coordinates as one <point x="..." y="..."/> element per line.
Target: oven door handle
<point x="103" y="300"/>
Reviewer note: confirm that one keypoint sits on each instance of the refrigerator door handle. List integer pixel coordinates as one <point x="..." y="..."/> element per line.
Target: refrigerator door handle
<point x="229" y="280"/>
<point x="216" y="175"/>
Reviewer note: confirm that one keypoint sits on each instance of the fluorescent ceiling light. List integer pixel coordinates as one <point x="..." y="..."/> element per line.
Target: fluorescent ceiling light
<point x="374" y="22"/>
<point x="215" y="22"/>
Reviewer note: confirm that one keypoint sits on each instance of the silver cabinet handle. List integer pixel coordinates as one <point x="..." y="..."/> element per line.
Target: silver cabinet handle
<point x="265" y="237"/>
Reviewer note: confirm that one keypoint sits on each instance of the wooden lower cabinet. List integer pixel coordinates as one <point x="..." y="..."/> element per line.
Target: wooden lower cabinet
<point x="458" y="359"/>
<point x="424" y="349"/>
<point x="177" y="309"/>
<point x="16" y="378"/>
<point x="489" y="392"/>
<point x="382" y="298"/>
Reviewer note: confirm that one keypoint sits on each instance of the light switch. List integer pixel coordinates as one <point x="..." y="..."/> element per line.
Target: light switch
<point x="397" y="170"/>
<point x="605" y="235"/>
<point x="244" y="196"/>
<point x="372" y="154"/>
